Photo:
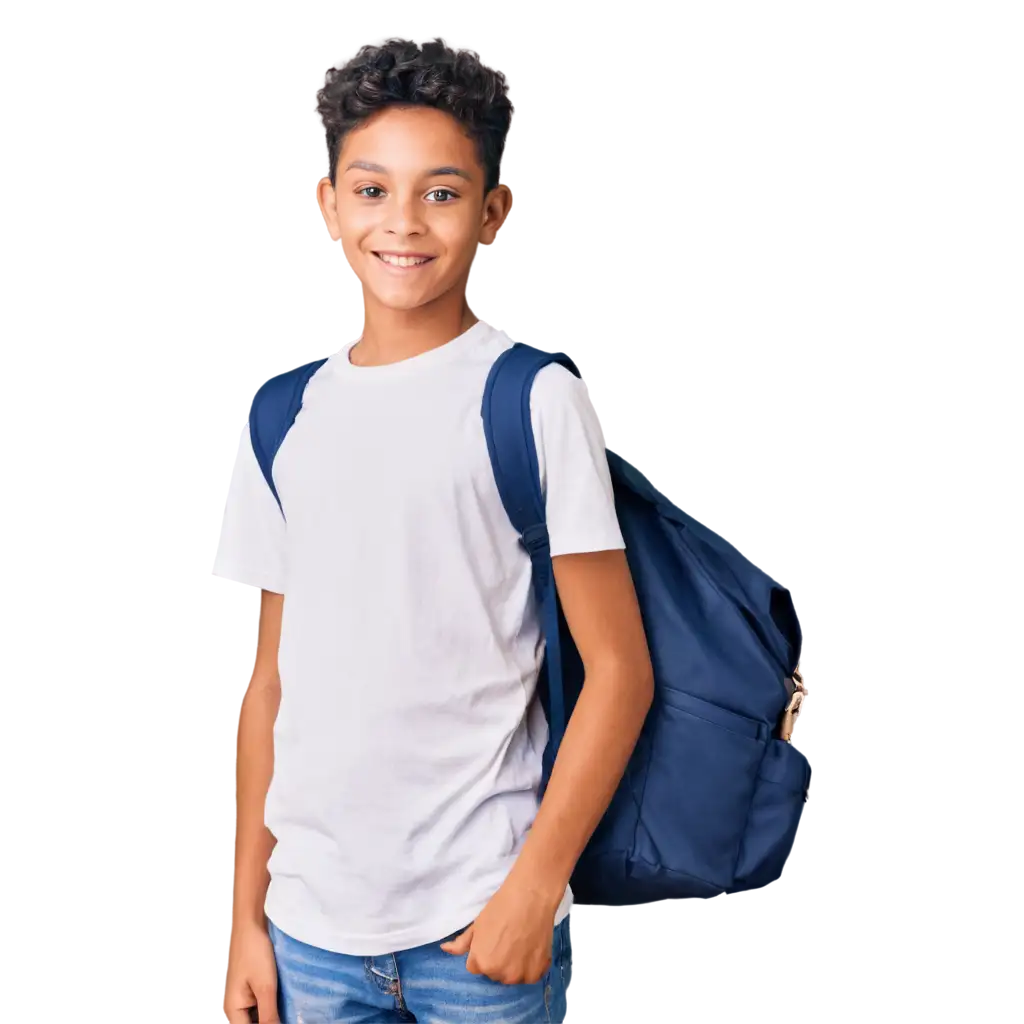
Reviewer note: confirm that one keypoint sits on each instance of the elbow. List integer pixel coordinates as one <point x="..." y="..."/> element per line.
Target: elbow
<point x="643" y="677"/>
<point x="639" y="691"/>
<point x="631" y="679"/>
<point x="265" y="684"/>
<point x="646" y="685"/>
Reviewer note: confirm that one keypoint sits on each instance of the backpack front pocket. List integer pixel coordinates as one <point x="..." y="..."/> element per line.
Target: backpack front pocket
<point x="778" y="803"/>
<point x="700" y="781"/>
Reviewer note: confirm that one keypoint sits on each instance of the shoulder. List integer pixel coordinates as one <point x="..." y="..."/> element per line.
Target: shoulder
<point x="555" y="388"/>
<point x="296" y="373"/>
<point x="244" y="449"/>
<point x="556" y="384"/>
<point x="286" y="386"/>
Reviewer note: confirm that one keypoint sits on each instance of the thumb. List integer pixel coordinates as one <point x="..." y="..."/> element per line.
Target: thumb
<point x="460" y="944"/>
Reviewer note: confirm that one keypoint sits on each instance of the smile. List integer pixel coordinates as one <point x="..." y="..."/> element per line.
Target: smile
<point x="403" y="261"/>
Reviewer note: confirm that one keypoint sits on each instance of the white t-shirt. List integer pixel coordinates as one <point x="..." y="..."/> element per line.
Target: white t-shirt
<point x="407" y="746"/>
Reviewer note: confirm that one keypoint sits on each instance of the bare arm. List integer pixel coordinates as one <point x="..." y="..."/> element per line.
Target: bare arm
<point x="253" y="841"/>
<point x="510" y="940"/>
<point x="601" y="609"/>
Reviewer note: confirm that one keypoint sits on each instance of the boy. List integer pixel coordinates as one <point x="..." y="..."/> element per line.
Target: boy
<point x="392" y="709"/>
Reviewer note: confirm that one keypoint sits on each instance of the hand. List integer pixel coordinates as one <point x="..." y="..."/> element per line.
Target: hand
<point x="510" y="939"/>
<point x="252" y="976"/>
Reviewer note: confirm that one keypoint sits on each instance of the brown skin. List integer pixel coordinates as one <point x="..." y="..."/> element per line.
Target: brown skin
<point x="252" y="972"/>
<point x="510" y="940"/>
<point x="406" y="209"/>
<point x="406" y="314"/>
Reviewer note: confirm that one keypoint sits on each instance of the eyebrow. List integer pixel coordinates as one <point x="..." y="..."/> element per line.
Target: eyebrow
<point x="365" y="165"/>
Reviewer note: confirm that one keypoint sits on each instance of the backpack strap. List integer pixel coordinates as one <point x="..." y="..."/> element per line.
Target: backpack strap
<point x="273" y="410"/>
<point x="508" y="428"/>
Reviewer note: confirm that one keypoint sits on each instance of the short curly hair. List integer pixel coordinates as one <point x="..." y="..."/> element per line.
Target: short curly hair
<point x="400" y="72"/>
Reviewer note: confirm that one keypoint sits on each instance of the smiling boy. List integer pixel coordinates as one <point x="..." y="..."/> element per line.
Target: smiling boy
<point x="392" y="863"/>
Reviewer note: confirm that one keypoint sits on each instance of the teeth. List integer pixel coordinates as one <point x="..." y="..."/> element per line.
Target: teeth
<point x="403" y="261"/>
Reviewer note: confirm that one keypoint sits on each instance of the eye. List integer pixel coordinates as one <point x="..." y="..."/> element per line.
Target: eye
<point x="360" y="191"/>
<point x="446" y="191"/>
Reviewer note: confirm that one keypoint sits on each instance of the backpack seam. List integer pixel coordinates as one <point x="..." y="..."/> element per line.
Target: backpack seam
<point x="640" y="803"/>
<point x="678" y="873"/>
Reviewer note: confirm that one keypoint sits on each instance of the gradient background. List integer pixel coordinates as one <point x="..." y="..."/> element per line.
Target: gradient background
<point x="157" y="253"/>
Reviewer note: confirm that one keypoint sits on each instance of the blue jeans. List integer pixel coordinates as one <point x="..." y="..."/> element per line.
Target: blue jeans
<point x="425" y="984"/>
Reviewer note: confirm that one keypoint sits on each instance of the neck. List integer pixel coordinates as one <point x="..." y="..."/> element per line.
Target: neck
<point x="390" y="335"/>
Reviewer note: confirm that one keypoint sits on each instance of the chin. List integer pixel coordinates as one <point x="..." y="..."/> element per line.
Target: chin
<point x="403" y="302"/>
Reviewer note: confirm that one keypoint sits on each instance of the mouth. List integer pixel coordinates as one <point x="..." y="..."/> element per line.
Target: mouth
<point x="396" y="262"/>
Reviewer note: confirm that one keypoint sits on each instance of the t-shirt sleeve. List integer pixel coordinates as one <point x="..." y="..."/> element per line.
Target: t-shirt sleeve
<point x="575" y="478"/>
<point x="252" y="535"/>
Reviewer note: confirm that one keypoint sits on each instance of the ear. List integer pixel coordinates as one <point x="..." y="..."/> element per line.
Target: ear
<point x="497" y="204"/>
<point x="327" y="199"/>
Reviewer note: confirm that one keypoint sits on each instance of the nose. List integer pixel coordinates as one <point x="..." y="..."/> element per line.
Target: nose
<point x="404" y="216"/>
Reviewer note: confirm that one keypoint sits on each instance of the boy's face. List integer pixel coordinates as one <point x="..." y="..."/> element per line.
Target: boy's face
<point x="400" y="190"/>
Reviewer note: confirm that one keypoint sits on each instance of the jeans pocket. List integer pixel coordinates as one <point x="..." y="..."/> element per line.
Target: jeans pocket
<point x="559" y="975"/>
<point x="565" y="957"/>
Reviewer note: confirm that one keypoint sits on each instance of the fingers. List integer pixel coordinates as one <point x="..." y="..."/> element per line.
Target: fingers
<point x="266" y="999"/>
<point x="256" y="1014"/>
<point x="501" y="973"/>
<point x="460" y="944"/>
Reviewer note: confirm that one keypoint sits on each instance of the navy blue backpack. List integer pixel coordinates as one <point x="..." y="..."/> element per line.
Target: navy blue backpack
<point x="712" y="795"/>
